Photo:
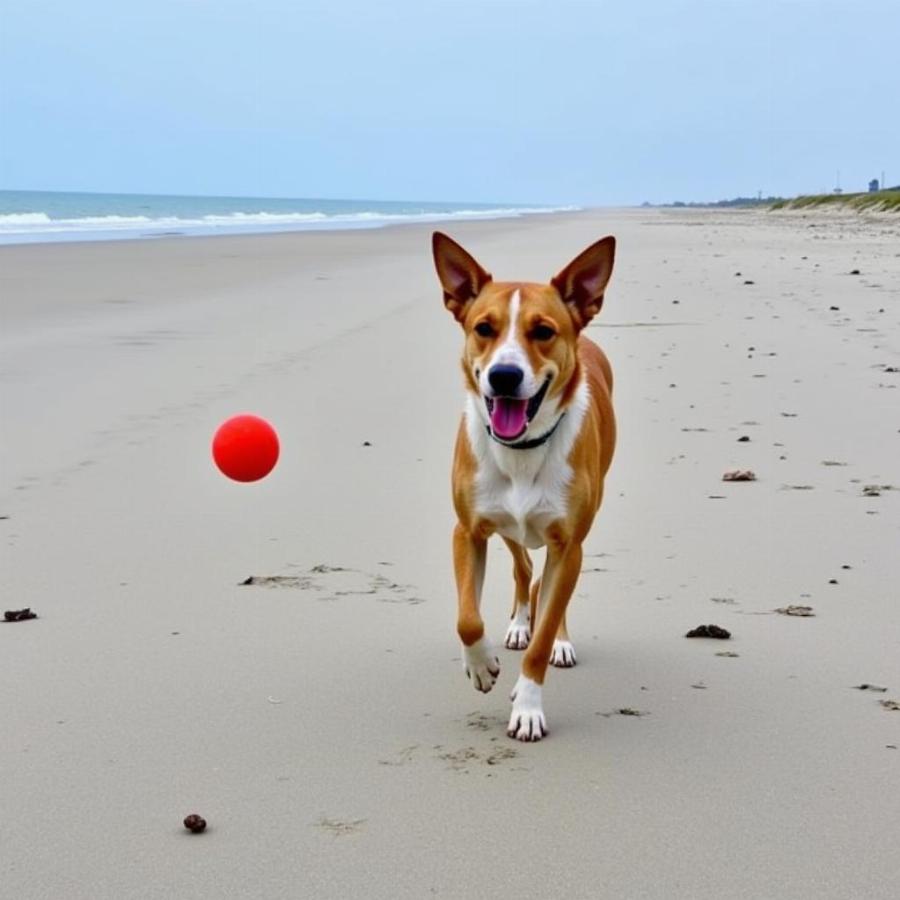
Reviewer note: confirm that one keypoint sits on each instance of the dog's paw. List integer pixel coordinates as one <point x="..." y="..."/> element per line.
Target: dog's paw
<point x="517" y="635"/>
<point x="481" y="665"/>
<point x="526" y="721"/>
<point x="563" y="654"/>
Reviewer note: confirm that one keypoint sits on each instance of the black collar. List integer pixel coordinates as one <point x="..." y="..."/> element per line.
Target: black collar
<point x="531" y="443"/>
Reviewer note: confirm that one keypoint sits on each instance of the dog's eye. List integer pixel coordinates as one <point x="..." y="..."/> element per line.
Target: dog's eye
<point x="483" y="329"/>
<point x="542" y="332"/>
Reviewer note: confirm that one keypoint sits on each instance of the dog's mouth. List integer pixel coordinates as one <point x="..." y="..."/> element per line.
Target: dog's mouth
<point x="511" y="416"/>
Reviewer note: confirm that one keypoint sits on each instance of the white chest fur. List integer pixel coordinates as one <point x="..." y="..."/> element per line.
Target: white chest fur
<point x="523" y="491"/>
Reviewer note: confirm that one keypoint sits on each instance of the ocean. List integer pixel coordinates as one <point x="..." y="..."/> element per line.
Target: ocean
<point x="39" y="216"/>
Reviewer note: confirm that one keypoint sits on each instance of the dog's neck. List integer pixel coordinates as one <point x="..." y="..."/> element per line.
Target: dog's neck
<point x="528" y="443"/>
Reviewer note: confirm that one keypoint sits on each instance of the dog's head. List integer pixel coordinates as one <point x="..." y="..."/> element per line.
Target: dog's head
<point x="520" y="355"/>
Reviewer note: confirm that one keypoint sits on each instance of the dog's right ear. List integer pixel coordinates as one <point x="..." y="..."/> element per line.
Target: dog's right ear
<point x="461" y="277"/>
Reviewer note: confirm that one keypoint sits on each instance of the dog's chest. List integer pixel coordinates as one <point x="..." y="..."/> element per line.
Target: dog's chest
<point x="521" y="497"/>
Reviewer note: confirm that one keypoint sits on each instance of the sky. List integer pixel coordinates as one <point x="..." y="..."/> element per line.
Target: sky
<point x="581" y="102"/>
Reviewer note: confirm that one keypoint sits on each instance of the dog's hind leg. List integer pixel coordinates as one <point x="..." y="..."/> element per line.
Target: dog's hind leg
<point x="518" y="634"/>
<point x="533" y="603"/>
<point x="563" y="653"/>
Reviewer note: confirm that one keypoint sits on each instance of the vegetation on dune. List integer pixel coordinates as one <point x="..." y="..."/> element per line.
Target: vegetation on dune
<point x="872" y="201"/>
<point x="737" y="202"/>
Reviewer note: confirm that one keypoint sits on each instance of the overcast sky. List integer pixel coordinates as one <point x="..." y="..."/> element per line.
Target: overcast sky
<point x="569" y="101"/>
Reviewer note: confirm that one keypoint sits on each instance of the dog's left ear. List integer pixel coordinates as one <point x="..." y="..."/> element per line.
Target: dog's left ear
<point x="582" y="282"/>
<point x="461" y="277"/>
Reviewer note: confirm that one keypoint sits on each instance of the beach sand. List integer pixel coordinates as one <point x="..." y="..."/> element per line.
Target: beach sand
<point x="322" y="723"/>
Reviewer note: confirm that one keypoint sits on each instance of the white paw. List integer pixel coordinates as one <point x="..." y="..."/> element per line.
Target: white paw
<point x="481" y="665"/>
<point x="563" y="654"/>
<point x="527" y="722"/>
<point x="517" y="635"/>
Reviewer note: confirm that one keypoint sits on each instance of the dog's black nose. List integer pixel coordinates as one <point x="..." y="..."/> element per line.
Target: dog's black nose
<point x="505" y="380"/>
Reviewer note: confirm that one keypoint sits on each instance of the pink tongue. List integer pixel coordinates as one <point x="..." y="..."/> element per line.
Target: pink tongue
<point x="508" y="417"/>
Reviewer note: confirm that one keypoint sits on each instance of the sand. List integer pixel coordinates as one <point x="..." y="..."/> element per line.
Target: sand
<point x="321" y="723"/>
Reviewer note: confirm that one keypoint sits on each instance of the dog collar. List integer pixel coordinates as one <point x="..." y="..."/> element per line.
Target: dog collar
<point x="531" y="443"/>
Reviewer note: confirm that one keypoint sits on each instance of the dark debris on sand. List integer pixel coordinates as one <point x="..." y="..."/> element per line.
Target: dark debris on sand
<point x="709" y="631"/>
<point x="739" y="475"/>
<point x="195" y="824"/>
<point x="796" y="610"/>
<point x="19" y="615"/>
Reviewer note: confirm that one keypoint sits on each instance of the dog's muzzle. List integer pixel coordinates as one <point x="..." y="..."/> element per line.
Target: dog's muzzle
<point x="510" y="416"/>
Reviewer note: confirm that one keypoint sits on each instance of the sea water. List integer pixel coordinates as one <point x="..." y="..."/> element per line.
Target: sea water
<point x="37" y="216"/>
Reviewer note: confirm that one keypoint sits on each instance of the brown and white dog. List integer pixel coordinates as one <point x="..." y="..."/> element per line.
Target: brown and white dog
<point x="533" y="448"/>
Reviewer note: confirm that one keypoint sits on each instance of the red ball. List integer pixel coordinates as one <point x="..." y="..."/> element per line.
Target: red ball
<point x="245" y="448"/>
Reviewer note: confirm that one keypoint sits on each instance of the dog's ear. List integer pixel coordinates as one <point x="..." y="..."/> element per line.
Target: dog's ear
<point x="582" y="282"/>
<point x="461" y="277"/>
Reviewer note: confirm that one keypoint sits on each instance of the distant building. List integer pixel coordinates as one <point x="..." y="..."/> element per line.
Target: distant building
<point x="873" y="185"/>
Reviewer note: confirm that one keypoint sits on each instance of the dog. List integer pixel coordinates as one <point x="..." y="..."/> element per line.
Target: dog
<point x="533" y="448"/>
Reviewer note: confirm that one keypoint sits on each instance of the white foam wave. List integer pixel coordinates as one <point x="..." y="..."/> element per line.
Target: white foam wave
<point x="35" y="224"/>
<point x="14" y="222"/>
<point x="261" y="218"/>
<point x="25" y="219"/>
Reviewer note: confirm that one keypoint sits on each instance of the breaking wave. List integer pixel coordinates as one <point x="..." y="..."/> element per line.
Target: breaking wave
<point x="35" y="224"/>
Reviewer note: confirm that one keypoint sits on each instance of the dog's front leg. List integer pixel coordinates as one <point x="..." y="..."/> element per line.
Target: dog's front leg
<point x="469" y="555"/>
<point x="527" y="721"/>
